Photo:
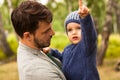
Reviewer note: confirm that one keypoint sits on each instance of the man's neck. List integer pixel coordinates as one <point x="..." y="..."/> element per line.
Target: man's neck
<point x="27" y="43"/>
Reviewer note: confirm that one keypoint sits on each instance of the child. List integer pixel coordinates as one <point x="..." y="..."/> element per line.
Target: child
<point x="79" y="58"/>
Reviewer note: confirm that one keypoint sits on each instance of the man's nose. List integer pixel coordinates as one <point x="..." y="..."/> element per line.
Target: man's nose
<point x="52" y="32"/>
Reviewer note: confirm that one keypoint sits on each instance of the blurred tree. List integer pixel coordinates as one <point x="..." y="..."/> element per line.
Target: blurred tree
<point x="97" y="10"/>
<point x="104" y="13"/>
<point x="107" y="30"/>
<point x="116" y="6"/>
<point x="3" y="42"/>
<point x="60" y="10"/>
<point x="6" y="10"/>
<point x="10" y="7"/>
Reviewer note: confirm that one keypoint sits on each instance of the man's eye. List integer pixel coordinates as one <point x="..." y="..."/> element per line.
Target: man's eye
<point x="47" y="31"/>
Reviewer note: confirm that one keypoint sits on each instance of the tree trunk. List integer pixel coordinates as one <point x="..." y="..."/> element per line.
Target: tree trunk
<point x="96" y="25"/>
<point x="69" y="5"/>
<point x="105" y="34"/>
<point x="117" y="13"/>
<point x="3" y="42"/>
<point x="9" y="3"/>
<point x="10" y="6"/>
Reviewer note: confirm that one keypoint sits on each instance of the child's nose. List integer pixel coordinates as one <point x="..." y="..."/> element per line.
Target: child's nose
<point x="74" y="32"/>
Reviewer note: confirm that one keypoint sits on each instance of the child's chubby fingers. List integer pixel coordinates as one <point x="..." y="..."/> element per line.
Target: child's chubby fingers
<point x="80" y="3"/>
<point x="46" y="50"/>
<point x="83" y="11"/>
<point x="86" y="10"/>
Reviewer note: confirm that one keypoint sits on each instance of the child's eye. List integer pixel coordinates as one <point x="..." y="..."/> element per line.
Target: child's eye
<point x="68" y="30"/>
<point x="78" y="28"/>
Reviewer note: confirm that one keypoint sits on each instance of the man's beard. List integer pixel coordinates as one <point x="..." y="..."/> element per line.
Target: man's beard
<point x="40" y="44"/>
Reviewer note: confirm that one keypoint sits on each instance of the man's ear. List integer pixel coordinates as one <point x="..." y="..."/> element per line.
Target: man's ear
<point x="27" y="36"/>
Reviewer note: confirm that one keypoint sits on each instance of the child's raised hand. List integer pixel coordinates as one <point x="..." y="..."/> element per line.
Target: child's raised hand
<point x="83" y="10"/>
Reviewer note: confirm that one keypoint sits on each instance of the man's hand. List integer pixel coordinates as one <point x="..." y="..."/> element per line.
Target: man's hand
<point x="83" y="10"/>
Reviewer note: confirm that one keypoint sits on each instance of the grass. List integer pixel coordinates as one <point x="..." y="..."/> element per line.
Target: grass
<point x="107" y="71"/>
<point x="9" y="71"/>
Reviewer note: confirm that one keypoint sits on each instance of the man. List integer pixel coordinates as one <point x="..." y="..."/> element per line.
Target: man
<point x="32" y="23"/>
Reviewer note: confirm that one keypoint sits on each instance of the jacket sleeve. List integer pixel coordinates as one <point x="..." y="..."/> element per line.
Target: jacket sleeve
<point x="89" y="33"/>
<point x="56" y="53"/>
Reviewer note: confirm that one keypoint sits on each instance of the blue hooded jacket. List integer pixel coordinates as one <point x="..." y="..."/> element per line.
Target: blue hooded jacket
<point x="79" y="60"/>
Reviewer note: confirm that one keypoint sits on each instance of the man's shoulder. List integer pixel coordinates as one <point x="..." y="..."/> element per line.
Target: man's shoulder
<point x="40" y="69"/>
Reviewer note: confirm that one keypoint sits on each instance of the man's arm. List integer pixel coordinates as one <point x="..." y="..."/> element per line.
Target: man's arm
<point x="89" y="34"/>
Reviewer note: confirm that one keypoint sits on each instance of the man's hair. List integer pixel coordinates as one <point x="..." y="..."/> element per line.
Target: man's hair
<point x="27" y="15"/>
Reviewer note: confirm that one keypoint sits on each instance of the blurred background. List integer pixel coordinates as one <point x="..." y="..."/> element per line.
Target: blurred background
<point x="106" y="16"/>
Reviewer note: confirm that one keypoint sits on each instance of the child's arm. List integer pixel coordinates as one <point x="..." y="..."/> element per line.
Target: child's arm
<point x="56" y="53"/>
<point x="89" y="33"/>
<point x="88" y="29"/>
<point x="53" y="52"/>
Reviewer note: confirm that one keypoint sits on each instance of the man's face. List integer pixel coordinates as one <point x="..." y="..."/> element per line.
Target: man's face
<point x="43" y="35"/>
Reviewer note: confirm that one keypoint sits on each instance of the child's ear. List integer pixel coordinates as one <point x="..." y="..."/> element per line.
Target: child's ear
<point x="27" y="36"/>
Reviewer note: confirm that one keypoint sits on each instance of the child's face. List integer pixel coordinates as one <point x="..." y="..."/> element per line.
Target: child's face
<point x="74" y="32"/>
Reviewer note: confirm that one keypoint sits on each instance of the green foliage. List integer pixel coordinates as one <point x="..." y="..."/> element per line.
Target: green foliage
<point x="98" y="12"/>
<point x="113" y="50"/>
<point x="12" y="40"/>
<point x="15" y="3"/>
<point x="2" y="56"/>
<point x="60" y="11"/>
<point x="5" y="11"/>
<point x="5" y="18"/>
<point x="57" y="26"/>
<point x="59" y="41"/>
<point x="59" y="14"/>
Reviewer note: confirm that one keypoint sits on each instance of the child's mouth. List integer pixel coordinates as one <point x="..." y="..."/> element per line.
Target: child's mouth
<point x="75" y="38"/>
